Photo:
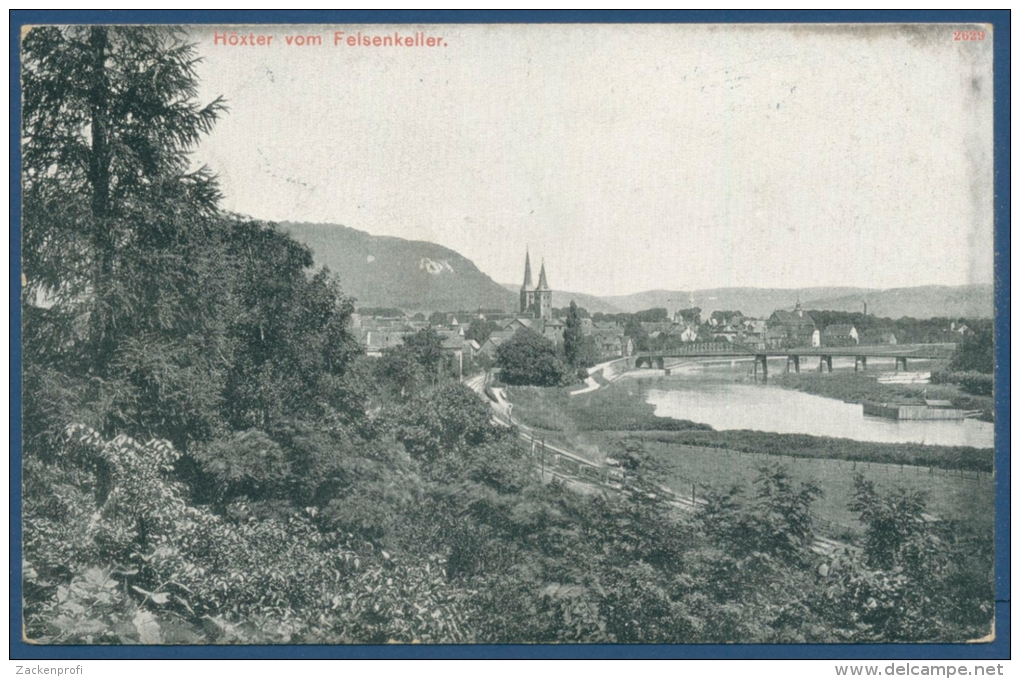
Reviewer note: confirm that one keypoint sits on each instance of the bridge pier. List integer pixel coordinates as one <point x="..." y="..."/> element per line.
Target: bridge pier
<point x="903" y="360"/>
<point x="796" y="363"/>
<point x="764" y="360"/>
<point x="824" y="362"/>
<point x="863" y="361"/>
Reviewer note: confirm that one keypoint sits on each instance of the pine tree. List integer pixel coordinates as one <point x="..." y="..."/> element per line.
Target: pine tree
<point x="114" y="221"/>
<point x="125" y="283"/>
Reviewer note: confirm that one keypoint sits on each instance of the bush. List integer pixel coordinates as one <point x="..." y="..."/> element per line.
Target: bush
<point x="972" y="382"/>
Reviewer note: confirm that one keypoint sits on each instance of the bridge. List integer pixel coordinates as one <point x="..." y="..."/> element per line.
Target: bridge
<point x="900" y="352"/>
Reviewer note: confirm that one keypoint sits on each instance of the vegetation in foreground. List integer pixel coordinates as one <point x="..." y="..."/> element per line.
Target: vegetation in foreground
<point x="207" y="458"/>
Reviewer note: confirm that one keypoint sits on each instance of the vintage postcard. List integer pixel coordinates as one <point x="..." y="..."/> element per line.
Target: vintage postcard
<point x="504" y="334"/>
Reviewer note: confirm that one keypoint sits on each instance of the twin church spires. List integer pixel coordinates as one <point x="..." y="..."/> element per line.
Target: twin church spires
<point x="535" y="302"/>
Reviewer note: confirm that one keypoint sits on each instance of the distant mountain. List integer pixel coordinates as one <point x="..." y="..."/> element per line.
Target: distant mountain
<point x="562" y="298"/>
<point x="925" y="301"/>
<point x="393" y="272"/>
<point x="970" y="301"/>
<point x="420" y="276"/>
<point x="749" y="301"/>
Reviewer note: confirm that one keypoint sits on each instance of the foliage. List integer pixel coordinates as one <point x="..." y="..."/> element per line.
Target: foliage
<point x="290" y="332"/>
<point x="480" y="329"/>
<point x="976" y="352"/>
<point x="114" y="222"/>
<point x="573" y="340"/>
<point x="208" y="458"/>
<point x="444" y="423"/>
<point x="529" y="358"/>
<point x="891" y="521"/>
<point x="909" y="582"/>
<point x="774" y="523"/>
<point x="976" y="383"/>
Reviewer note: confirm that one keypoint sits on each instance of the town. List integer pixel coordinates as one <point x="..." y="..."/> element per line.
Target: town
<point x="471" y="339"/>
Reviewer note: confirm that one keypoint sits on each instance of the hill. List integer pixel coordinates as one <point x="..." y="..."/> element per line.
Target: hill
<point x="750" y="301"/>
<point x="970" y="301"/>
<point x="562" y="298"/>
<point x="926" y="301"/>
<point x="393" y="272"/>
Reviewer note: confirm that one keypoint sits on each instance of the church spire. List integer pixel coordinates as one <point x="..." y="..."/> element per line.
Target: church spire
<point x="527" y="271"/>
<point x="542" y="283"/>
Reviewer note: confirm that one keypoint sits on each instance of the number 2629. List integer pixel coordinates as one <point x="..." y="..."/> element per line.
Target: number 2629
<point x="969" y="35"/>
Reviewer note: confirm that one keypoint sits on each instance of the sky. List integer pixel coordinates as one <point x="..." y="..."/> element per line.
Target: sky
<point x="628" y="157"/>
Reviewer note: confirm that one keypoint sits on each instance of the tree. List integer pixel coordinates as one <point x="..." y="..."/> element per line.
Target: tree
<point x="446" y="422"/>
<point x="573" y="339"/>
<point x="891" y="520"/>
<point x="775" y="522"/>
<point x="480" y="329"/>
<point x="691" y="316"/>
<point x="529" y="358"/>
<point x="656" y="315"/>
<point x="634" y="330"/>
<point x="108" y="122"/>
<point x="290" y="333"/>
<point x="976" y="352"/>
<point x="426" y="347"/>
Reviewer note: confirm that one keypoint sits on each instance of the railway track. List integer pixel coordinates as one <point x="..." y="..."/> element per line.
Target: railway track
<point x="599" y="477"/>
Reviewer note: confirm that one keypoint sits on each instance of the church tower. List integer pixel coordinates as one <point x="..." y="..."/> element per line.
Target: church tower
<point x="527" y="293"/>
<point x="543" y="297"/>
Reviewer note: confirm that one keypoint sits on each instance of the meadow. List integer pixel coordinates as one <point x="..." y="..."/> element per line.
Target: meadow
<point x="964" y="497"/>
<point x="695" y="458"/>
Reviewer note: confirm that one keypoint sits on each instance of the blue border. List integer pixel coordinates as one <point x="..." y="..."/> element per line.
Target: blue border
<point x="999" y="649"/>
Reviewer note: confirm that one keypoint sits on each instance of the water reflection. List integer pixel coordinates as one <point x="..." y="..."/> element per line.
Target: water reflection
<point x="767" y="408"/>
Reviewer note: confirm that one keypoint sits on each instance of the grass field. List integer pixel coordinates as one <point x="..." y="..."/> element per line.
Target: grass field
<point x="598" y="425"/>
<point x="966" y="497"/>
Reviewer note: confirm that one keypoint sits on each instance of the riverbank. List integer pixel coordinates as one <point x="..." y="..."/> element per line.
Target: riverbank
<point x="858" y="387"/>
<point x="620" y="408"/>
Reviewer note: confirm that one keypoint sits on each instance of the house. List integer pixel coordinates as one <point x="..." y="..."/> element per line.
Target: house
<point x="375" y="341"/>
<point x="490" y="345"/>
<point x="792" y="329"/>
<point x="689" y="333"/>
<point x="878" y="337"/>
<point x="552" y="330"/>
<point x="727" y="333"/>
<point x="614" y="345"/>
<point x="840" y="335"/>
<point x="515" y="324"/>
<point x="453" y="345"/>
<point x="754" y="329"/>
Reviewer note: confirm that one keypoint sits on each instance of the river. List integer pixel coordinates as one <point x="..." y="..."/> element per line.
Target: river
<point x="728" y="405"/>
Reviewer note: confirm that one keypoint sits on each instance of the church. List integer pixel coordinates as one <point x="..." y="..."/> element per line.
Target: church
<point x="536" y="302"/>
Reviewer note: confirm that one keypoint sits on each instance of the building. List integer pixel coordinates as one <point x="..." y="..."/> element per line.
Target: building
<point x="840" y="335"/>
<point x="536" y="302"/>
<point x="792" y="329"/>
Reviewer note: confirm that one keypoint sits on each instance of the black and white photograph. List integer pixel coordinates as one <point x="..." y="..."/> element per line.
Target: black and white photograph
<point x="531" y="333"/>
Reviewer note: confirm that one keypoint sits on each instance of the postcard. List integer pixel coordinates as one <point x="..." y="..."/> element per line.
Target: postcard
<point x="507" y="334"/>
